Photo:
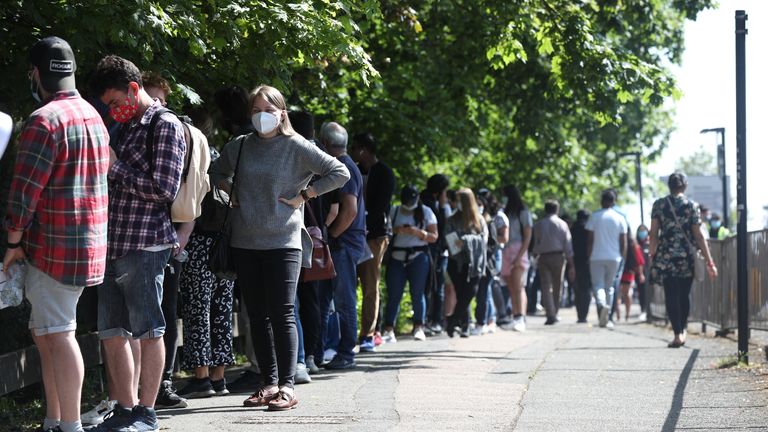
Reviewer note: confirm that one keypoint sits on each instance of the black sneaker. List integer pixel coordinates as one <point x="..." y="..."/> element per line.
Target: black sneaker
<point x="167" y="397"/>
<point x="339" y="363"/>
<point x="144" y="420"/>
<point x="248" y="382"/>
<point x="117" y="419"/>
<point x="220" y="387"/>
<point x="197" y="388"/>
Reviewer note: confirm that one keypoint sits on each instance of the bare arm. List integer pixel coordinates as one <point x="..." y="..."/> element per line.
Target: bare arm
<point x="347" y="214"/>
<point x="702" y="242"/>
<point x="502" y="235"/>
<point x="623" y="245"/>
<point x="653" y="242"/>
<point x="527" y="231"/>
<point x="332" y="213"/>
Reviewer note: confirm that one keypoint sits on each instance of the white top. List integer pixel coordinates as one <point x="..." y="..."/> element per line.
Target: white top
<point x="607" y="225"/>
<point x="407" y="240"/>
<point x="517" y="223"/>
<point x="6" y="127"/>
<point x="500" y="220"/>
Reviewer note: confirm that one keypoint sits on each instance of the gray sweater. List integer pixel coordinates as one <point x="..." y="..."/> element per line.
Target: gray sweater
<point x="273" y="168"/>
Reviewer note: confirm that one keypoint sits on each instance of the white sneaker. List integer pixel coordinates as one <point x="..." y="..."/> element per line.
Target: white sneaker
<point x="419" y="335"/>
<point x="610" y="324"/>
<point x="519" y="324"/>
<point x="604" y="316"/>
<point x="96" y="415"/>
<point x="643" y="316"/>
<point x="389" y="337"/>
<point x="328" y="355"/>
<point x="475" y="331"/>
<point x="491" y="328"/>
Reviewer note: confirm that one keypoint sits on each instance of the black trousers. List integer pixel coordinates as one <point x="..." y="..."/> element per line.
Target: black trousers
<point x="309" y="312"/>
<point x="677" y="295"/>
<point x="170" y="308"/>
<point x="268" y="280"/>
<point x="466" y="289"/>
<point x="583" y="289"/>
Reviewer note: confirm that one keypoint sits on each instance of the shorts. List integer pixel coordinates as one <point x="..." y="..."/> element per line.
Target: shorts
<point x="628" y="277"/>
<point x="54" y="305"/>
<point x="508" y="255"/>
<point x="130" y="297"/>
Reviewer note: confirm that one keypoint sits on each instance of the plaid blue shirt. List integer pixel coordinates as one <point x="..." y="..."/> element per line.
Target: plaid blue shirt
<point x="139" y="212"/>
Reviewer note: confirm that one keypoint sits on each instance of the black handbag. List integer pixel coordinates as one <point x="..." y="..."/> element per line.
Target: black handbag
<point x="220" y="261"/>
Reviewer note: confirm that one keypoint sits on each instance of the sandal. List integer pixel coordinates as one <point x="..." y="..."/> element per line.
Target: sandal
<point x="261" y="397"/>
<point x="283" y="401"/>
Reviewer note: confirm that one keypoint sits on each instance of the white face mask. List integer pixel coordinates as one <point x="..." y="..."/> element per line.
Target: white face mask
<point x="458" y="205"/>
<point x="265" y="122"/>
<point x="410" y="207"/>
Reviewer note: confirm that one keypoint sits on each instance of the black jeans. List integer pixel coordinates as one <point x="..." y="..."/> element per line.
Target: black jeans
<point x="170" y="308"/>
<point x="268" y="279"/>
<point x="466" y="289"/>
<point x="583" y="289"/>
<point x="309" y="312"/>
<point x="435" y="291"/>
<point x="481" y="308"/>
<point x="677" y="295"/>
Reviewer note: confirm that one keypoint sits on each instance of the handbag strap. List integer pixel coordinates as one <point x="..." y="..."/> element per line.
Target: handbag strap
<point x="677" y="222"/>
<point x="394" y="220"/>
<point x="234" y="180"/>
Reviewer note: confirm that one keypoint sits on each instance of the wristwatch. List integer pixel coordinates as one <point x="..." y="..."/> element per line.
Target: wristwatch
<point x="305" y="194"/>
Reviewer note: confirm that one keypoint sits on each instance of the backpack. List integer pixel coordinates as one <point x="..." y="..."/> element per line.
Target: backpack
<point x="195" y="184"/>
<point x="491" y="261"/>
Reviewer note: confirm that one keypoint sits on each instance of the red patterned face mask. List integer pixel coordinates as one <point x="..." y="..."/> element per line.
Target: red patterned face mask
<point x="126" y="110"/>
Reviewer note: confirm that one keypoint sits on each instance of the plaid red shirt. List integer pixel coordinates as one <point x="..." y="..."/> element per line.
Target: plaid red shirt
<point x="58" y="196"/>
<point x="139" y="213"/>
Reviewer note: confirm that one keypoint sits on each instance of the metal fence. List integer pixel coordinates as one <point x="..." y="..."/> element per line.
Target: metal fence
<point x="713" y="301"/>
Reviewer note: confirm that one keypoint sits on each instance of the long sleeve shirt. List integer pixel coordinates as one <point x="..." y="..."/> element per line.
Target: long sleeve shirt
<point x="58" y="196"/>
<point x="140" y="195"/>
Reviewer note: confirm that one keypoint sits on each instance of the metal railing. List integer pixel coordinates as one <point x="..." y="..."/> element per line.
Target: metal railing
<point x="713" y="301"/>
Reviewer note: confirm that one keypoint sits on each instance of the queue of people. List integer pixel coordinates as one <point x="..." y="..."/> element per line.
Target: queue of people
<point x="91" y="205"/>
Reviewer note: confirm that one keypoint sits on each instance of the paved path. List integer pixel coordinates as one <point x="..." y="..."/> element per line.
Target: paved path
<point x="566" y="377"/>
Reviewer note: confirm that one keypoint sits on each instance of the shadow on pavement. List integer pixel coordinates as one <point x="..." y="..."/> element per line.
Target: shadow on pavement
<point x="677" y="400"/>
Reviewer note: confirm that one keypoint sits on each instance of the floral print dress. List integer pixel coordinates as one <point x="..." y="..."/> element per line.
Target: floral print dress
<point x="673" y="257"/>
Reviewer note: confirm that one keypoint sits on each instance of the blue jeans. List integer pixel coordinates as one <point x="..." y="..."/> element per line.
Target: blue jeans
<point x="299" y="333"/>
<point x="130" y="297"/>
<point x="417" y="274"/>
<point x="485" y="310"/>
<point x="344" y="287"/>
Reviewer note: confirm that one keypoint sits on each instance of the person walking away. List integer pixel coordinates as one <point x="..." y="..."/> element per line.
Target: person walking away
<point x="415" y="227"/>
<point x="347" y="243"/>
<point x="514" y="261"/>
<point x="57" y="220"/>
<point x="581" y="266"/>
<point x="675" y="231"/>
<point x="467" y="237"/>
<point x="553" y="249"/>
<point x="378" y="190"/>
<point x="607" y="246"/>
<point x="633" y="271"/>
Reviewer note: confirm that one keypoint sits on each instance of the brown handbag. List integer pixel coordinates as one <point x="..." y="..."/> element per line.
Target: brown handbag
<point x="322" y="267"/>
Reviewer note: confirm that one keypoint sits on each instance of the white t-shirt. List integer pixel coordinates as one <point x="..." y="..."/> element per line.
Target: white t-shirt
<point x="405" y="217"/>
<point x="517" y="223"/>
<point x="500" y="220"/>
<point x="6" y="127"/>
<point x="607" y="225"/>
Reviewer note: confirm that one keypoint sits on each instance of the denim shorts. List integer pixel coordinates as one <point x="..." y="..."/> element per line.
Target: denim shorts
<point x="54" y="304"/>
<point x="130" y="297"/>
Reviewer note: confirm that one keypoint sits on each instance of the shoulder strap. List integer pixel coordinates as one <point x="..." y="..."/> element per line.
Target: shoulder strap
<point x="152" y="137"/>
<point x="232" y="190"/>
<point x="677" y="222"/>
<point x="394" y="219"/>
<point x="190" y="142"/>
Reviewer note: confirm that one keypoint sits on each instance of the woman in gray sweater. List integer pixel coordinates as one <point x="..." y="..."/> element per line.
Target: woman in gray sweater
<point x="269" y="241"/>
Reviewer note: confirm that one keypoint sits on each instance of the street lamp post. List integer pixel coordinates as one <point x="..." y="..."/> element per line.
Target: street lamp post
<point x="638" y="181"/>
<point x="721" y="169"/>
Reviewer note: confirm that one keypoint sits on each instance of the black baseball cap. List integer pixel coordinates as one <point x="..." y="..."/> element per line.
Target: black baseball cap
<point x="55" y="63"/>
<point x="409" y="195"/>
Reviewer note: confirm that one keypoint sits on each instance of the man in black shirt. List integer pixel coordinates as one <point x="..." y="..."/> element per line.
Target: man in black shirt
<point x="379" y="185"/>
<point x="581" y="265"/>
<point x="435" y="197"/>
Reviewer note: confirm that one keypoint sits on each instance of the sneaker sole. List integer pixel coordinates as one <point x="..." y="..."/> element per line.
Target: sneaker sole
<point x="199" y="395"/>
<point x="221" y="392"/>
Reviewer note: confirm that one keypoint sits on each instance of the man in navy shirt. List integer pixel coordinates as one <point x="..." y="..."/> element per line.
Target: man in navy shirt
<point x="347" y="243"/>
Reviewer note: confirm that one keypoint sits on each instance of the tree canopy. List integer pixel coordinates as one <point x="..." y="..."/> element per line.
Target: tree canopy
<point x="541" y="93"/>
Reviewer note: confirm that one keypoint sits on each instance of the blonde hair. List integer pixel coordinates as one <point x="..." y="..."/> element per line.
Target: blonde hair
<point x="470" y="214"/>
<point x="274" y="97"/>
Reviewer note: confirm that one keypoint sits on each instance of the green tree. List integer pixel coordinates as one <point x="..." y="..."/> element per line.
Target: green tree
<point x="698" y="163"/>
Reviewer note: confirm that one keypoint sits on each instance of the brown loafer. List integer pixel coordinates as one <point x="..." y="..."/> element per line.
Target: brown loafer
<point x="261" y="397"/>
<point x="283" y="401"/>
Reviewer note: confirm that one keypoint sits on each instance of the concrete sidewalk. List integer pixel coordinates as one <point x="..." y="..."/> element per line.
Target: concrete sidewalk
<point x="565" y="377"/>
